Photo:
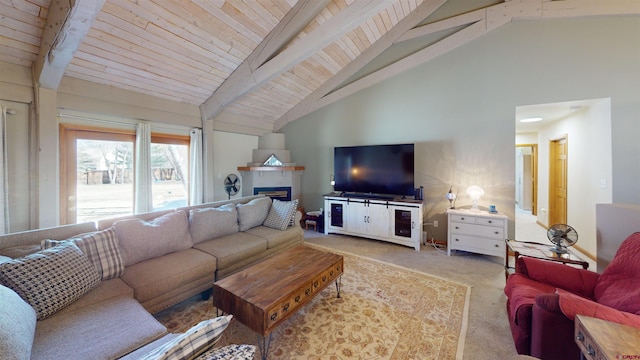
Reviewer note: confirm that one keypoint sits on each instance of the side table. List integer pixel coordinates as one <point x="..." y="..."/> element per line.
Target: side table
<point x="538" y="251"/>
<point x="601" y="339"/>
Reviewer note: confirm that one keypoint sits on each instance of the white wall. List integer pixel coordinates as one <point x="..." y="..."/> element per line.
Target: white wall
<point x="230" y="151"/>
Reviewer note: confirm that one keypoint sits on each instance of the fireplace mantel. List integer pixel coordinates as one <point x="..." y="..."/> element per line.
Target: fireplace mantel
<point x="270" y="168"/>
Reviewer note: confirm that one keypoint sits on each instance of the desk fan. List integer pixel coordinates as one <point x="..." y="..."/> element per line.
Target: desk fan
<point x="562" y="236"/>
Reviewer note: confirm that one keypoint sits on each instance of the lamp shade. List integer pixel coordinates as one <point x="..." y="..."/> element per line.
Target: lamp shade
<point x="475" y="192"/>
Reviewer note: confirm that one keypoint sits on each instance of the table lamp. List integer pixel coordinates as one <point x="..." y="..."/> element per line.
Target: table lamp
<point x="474" y="192"/>
<point x="451" y="197"/>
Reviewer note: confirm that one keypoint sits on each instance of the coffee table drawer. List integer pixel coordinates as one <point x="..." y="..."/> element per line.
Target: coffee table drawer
<point x="327" y="276"/>
<point x="281" y="309"/>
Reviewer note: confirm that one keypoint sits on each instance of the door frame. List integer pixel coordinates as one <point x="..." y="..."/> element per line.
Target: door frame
<point x="553" y="216"/>
<point x="534" y="176"/>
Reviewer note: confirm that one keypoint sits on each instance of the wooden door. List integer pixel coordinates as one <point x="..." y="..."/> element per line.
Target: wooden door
<point x="558" y="181"/>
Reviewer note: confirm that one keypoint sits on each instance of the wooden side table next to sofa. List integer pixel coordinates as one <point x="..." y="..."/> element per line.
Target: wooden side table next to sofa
<point x="603" y="340"/>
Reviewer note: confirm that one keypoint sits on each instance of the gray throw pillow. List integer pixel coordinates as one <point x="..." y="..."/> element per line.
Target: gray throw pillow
<point x="50" y="279"/>
<point x="253" y="213"/>
<point x="17" y="325"/>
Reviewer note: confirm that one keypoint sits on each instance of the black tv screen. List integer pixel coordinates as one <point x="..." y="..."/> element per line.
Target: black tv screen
<point x="376" y="169"/>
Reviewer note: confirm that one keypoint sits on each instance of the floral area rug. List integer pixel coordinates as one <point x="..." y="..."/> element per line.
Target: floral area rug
<point x="384" y="312"/>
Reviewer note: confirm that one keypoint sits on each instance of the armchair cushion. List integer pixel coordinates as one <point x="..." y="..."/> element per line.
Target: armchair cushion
<point x="619" y="285"/>
<point x="578" y="281"/>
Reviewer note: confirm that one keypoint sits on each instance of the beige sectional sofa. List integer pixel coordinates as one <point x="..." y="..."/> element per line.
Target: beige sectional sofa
<point x="161" y="258"/>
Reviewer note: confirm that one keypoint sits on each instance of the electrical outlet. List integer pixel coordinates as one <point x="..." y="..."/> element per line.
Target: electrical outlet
<point x="435" y="223"/>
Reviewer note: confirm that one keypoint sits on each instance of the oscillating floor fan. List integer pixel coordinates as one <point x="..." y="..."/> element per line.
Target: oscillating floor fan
<point x="562" y="236"/>
<point x="231" y="185"/>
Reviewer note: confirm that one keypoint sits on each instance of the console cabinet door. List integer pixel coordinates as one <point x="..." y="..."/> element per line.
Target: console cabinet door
<point x="405" y="225"/>
<point x="335" y="215"/>
<point x="378" y="219"/>
<point x="357" y="217"/>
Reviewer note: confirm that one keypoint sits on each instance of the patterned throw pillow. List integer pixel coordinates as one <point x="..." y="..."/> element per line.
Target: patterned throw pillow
<point x="101" y="247"/>
<point x="50" y="279"/>
<point x="229" y="352"/>
<point x="281" y="214"/>
<point x="194" y="342"/>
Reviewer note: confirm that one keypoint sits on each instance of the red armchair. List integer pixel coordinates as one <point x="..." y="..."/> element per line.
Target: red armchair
<point x="544" y="297"/>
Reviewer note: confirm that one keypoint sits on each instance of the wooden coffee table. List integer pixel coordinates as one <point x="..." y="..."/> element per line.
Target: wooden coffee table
<point x="265" y="294"/>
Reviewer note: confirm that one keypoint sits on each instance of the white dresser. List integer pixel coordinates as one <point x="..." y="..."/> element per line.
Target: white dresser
<point x="477" y="231"/>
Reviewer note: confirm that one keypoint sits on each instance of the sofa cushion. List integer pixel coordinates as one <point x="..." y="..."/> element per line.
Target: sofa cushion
<point x="210" y="223"/>
<point x="101" y="247"/>
<point x="20" y="251"/>
<point x="192" y="343"/>
<point x="105" y="330"/>
<point x="276" y="238"/>
<point x="50" y="279"/>
<point x="281" y="214"/>
<point x="107" y="290"/>
<point x="619" y="285"/>
<point x="253" y="213"/>
<point x="17" y="326"/>
<point x="235" y="248"/>
<point x="141" y="240"/>
<point x="161" y="275"/>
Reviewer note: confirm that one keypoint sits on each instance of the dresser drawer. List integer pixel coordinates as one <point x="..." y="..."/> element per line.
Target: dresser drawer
<point x="478" y="230"/>
<point x="490" y="222"/>
<point x="463" y="219"/>
<point x="479" y="245"/>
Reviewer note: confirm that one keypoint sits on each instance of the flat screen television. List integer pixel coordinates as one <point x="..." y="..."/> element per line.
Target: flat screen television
<point x="374" y="169"/>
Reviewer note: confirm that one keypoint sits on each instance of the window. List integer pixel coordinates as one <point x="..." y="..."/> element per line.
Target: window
<point x="170" y="171"/>
<point x="97" y="172"/>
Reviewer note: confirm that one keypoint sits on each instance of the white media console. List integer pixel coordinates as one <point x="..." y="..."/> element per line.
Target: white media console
<point x="398" y="221"/>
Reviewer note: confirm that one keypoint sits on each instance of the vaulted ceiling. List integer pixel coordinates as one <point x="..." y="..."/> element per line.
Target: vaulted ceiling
<point x="254" y="65"/>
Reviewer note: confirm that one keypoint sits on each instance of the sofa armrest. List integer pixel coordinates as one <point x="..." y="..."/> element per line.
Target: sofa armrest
<point x="572" y="305"/>
<point x="578" y="281"/>
<point x="551" y="331"/>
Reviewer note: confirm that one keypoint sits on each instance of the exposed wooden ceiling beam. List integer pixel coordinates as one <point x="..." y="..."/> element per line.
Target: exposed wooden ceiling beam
<point x="244" y="80"/>
<point x="308" y="105"/>
<point x="68" y="22"/>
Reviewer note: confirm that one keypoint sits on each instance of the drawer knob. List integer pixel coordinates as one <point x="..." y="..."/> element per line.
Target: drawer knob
<point x="457" y="228"/>
<point x="580" y="336"/>
<point x="496" y="245"/>
<point x="274" y="316"/>
<point x="457" y="239"/>
<point x="490" y="222"/>
<point x="497" y="233"/>
<point x="461" y="218"/>
<point x="590" y="350"/>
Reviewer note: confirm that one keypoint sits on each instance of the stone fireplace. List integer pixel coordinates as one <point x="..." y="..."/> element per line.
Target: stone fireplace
<point x="271" y="171"/>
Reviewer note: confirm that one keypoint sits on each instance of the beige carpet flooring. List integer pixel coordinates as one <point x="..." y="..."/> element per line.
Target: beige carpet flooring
<point x="488" y="335"/>
<point x="385" y="312"/>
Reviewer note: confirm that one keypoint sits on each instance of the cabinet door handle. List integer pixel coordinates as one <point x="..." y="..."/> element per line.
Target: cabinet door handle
<point x="496" y="245"/>
<point x="461" y="218"/>
<point x="490" y="222"/>
<point x="497" y="232"/>
<point x="457" y="239"/>
<point x="457" y="228"/>
<point x="413" y="224"/>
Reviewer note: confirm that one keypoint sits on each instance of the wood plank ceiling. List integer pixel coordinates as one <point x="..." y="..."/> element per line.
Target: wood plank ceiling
<point x="255" y="65"/>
